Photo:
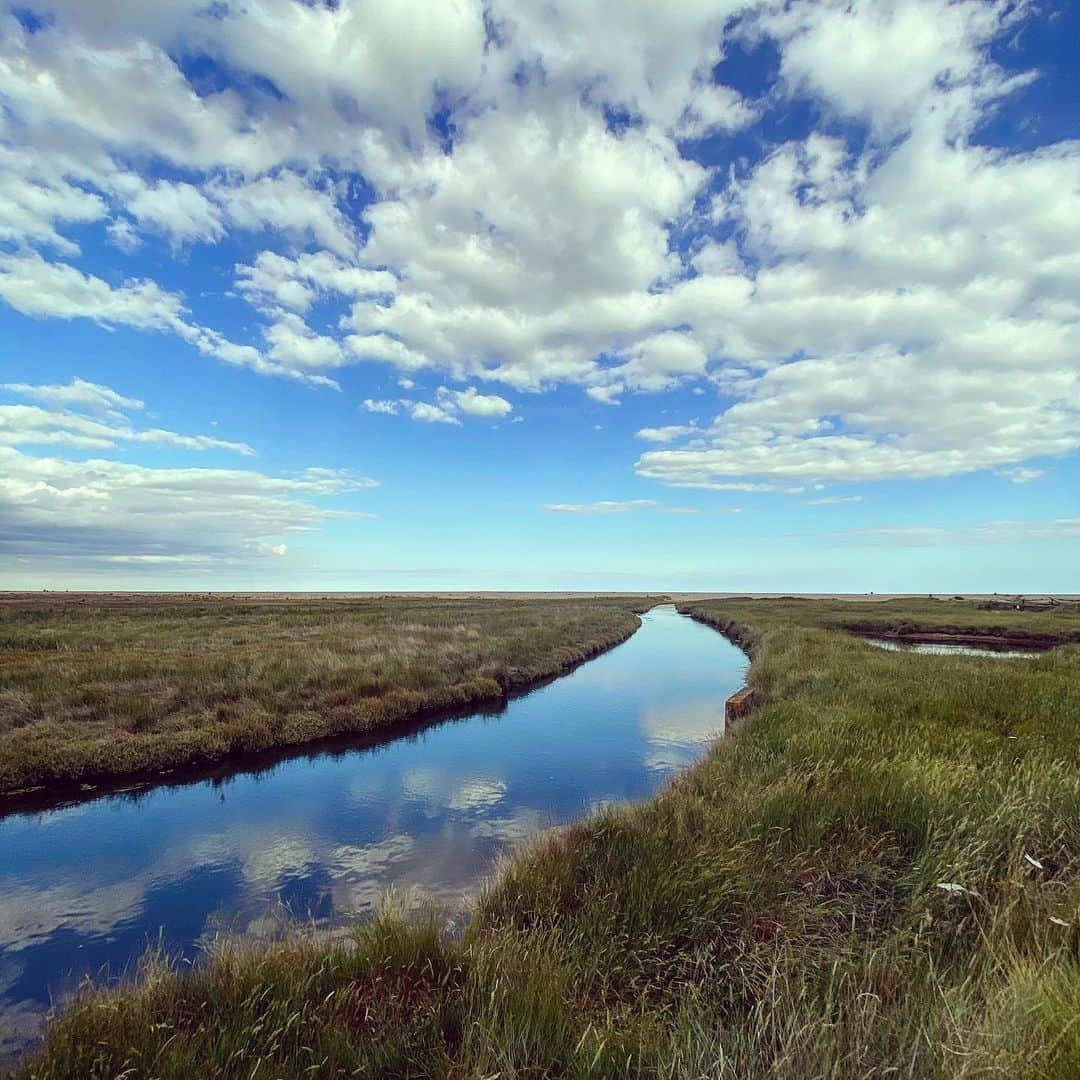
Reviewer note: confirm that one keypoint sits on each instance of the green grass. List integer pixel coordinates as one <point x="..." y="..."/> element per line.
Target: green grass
<point x="97" y="688"/>
<point x="778" y="910"/>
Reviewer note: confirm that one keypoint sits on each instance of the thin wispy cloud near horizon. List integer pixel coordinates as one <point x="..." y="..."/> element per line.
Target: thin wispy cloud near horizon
<point x="290" y="289"/>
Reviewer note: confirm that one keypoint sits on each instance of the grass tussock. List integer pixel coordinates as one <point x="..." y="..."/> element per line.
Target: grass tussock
<point x="105" y="687"/>
<point x="876" y="875"/>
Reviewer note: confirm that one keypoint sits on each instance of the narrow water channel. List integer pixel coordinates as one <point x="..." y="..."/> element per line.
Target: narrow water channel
<point x="322" y="837"/>
<point x="941" y="648"/>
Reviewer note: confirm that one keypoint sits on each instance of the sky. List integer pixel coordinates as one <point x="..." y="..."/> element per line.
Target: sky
<point x="460" y="294"/>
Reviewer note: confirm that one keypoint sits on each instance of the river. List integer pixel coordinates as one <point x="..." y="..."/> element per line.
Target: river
<point x="322" y="835"/>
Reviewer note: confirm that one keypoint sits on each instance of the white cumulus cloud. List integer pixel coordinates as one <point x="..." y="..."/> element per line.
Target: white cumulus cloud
<point x="508" y="195"/>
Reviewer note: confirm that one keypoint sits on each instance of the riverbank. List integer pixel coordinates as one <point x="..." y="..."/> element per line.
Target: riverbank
<point x="877" y="872"/>
<point x="94" y="690"/>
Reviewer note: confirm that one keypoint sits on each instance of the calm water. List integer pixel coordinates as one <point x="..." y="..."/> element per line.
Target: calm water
<point x="322" y="837"/>
<point x="943" y="649"/>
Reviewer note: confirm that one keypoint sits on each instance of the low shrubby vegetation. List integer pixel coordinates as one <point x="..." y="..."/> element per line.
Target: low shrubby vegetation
<point x="876" y="874"/>
<point x="94" y="688"/>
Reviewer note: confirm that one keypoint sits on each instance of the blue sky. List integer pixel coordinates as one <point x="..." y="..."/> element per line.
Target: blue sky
<point x="770" y="296"/>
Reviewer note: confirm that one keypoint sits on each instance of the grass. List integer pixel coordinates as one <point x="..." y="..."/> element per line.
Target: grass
<point x="1059" y="624"/>
<point x="96" y="688"/>
<point x="875" y="875"/>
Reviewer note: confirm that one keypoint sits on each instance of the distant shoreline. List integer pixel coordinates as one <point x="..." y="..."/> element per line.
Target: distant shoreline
<point x="42" y="596"/>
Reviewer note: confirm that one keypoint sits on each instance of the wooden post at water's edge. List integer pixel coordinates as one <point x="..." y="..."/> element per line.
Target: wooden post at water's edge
<point x="738" y="705"/>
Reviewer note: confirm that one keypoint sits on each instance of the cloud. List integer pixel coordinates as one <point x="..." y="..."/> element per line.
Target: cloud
<point x="888" y="62"/>
<point x="660" y="362"/>
<point x="521" y="253"/>
<point x="711" y="108"/>
<point x="288" y="202"/>
<point x="1023" y="475"/>
<point x="104" y="427"/>
<point x="31" y="424"/>
<point x="39" y="288"/>
<point x="606" y="506"/>
<point x="294" y="346"/>
<point x="429" y="413"/>
<point x="98" y="509"/>
<point x="178" y="210"/>
<point x="91" y="397"/>
<point x="108" y="511"/>
<point x="1005" y="531"/>
<point x="475" y="404"/>
<point x="609" y="506"/>
<point x="834" y="500"/>
<point x="100" y="84"/>
<point x="446" y="407"/>
<point x="507" y="194"/>
<point x="666" y="434"/>
<point x="388" y="408"/>
<point x="277" y="281"/>
<point x="37" y="201"/>
<point x="693" y="469"/>
<point x="387" y="349"/>
<point x="191" y="442"/>
<point x="43" y="289"/>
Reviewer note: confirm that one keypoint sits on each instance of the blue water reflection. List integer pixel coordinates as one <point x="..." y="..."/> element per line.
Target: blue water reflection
<point x="323" y="837"/>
